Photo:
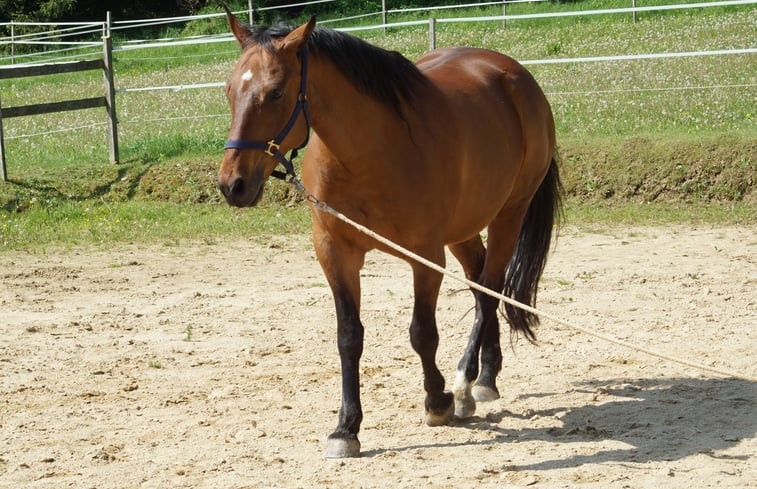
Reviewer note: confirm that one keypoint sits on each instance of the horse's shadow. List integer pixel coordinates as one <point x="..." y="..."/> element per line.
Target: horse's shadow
<point x="658" y="419"/>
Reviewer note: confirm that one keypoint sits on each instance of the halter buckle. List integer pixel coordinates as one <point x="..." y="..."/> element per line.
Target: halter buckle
<point x="272" y="148"/>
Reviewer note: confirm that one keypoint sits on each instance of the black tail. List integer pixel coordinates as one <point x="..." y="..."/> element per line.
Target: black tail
<point x="527" y="264"/>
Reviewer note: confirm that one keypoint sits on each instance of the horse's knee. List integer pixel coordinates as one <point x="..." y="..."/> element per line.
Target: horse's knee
<point x="424" y="337"/>
<point x="350" y="339"/>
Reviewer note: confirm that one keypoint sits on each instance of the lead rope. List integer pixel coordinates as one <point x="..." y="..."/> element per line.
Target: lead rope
<point x="323" y="206"/>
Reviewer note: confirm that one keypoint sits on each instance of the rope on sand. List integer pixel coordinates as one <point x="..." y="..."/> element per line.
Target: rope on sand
<point x="323" y="206"/>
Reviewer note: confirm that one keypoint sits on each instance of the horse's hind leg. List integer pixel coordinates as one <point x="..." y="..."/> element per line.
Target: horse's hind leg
<point x="503" y="234"/>
<point x="424" y="338"/>
<point x="485" y="388"/>
<point x="485" y="334"/>
<point x="492" y="262"/>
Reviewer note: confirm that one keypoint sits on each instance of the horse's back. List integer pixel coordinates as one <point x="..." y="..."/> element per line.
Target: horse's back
<point x="488" y="83"/>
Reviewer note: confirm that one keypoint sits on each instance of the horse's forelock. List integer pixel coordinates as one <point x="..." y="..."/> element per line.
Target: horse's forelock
<point x="265" y="35"/>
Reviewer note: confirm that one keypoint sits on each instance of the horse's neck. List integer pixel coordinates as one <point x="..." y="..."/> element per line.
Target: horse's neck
<point x="350" y="123"/>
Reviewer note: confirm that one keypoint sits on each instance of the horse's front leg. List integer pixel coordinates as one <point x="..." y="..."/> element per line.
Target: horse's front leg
<point x="343" y="442"/>
<point x="424" y="337"/>
<point x="342" y="265"/>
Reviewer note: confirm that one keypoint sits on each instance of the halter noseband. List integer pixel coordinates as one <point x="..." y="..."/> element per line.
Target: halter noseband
<point x="271" y="147"/>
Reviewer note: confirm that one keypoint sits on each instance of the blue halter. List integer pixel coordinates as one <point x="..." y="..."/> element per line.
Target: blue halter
<point x="271" y="147"/>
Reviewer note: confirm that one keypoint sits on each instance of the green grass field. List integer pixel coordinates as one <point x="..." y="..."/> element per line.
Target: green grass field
<point x="642" y="141"/>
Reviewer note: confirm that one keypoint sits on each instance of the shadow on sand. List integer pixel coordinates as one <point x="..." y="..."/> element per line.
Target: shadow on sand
<point x="696" y="416"/>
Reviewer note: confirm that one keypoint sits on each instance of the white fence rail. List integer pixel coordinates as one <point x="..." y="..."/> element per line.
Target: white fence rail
<point x="51" y="38"/>
<point x="628" y="57"/>
<point x="611" y="11"/>
<point x="640" y="56"/>
<point x="72" y="29"/>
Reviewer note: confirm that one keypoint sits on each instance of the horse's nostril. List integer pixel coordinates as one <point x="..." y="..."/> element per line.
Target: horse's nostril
<point x="223" y="188"/>
<point x="237" y="187"/>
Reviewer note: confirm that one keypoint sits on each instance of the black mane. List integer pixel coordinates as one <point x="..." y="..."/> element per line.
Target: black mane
<point x="385" y="75"/>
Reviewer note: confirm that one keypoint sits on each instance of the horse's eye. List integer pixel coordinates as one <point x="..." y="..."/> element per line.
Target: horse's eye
<point x="276" y="93"/>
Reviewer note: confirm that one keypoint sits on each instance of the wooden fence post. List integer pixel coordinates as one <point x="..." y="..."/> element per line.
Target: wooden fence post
<point x="2" y="146"/>
<point x="110" y="98"/>
<point x="107" y="101"/>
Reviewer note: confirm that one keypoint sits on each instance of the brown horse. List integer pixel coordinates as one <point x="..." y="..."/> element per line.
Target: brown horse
<point x="425" y="154"/>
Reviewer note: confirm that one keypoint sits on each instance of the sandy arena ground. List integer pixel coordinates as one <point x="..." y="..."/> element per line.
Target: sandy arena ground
<point x="215" y="366"/>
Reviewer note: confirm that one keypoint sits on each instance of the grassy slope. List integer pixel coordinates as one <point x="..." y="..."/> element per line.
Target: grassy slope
<point x="645" y="169"/>
<point x="629" y="156"/>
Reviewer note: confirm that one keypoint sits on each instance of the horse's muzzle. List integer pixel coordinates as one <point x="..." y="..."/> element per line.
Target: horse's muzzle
<point x="240" y="193"/>
<point x="240" y="179"/>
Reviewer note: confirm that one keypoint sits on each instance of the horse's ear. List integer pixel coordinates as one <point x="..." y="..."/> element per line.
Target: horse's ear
<point x="238" y="28"/>
<point x="299" y="37"/>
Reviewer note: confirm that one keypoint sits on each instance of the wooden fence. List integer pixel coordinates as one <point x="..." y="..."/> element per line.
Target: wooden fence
<point x="107" y="100"/>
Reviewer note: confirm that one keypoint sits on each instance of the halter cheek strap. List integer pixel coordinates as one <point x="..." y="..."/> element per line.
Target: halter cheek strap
<point x="271" y="147"/>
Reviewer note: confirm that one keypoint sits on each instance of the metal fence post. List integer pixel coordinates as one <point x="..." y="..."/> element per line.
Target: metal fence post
<point x="504" y="13"/>
<point x="432" y="33"/>
<point x="250" y="12"/>
<point x="383" y="15"/>
<point x="13" y="44"/>
<point x="633" y="5"/>
<point x="110" y="98"/>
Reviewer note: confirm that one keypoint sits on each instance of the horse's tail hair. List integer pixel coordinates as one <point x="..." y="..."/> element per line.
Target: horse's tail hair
<point x="527" y="263"/>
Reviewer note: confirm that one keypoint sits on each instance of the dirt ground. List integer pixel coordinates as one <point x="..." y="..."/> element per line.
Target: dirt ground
<point x="215" y="365"/>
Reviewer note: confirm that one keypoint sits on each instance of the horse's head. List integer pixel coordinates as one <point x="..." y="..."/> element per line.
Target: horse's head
<point x="266" y="94"/>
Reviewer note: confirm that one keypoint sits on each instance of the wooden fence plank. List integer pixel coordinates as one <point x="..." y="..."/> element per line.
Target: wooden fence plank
<point x="108" y="101"/>
<point x="50" y="69"/>
<point x="50" y="107"/>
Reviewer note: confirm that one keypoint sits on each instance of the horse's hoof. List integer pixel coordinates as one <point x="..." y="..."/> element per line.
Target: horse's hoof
<point x="342" y="448"/>
<point x="482" y="393"/>
<point x="440" y="419"/>
<point x="465" y="406"/>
